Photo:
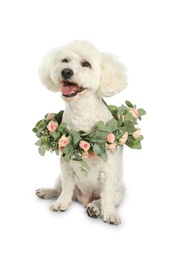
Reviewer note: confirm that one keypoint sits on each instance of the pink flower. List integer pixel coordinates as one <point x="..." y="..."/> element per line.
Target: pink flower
<point x="137" y="134"/>
<point x="123" y="139"/>
<point x="110" y="138"/>
<point x="52" y="126"/>
<point x="84" y="145"/>
<point x="111" y="147"/>
<point x="134" y="112"/>
<point x="91" y="155"/>
<point x="85" y="154"/>
<point x="50" y="116"/>
<point x="63" y="141"/>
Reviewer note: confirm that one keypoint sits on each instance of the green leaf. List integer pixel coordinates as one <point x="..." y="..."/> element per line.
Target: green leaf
<point x="38" y="143"/>
<point x="112" y="108"/>
<point x="141" y="111"/>
<point x="76" y="136"/>
<point x="78" y="155"/>
<point x="57" y="151"/>
<point x="134" y="144"/>
<point x="66" y="157"/>
<point x="99" y="124"/>
<point x="59" y="116"/>
<point x="42" y="150"/>
<point x="128" y="103"/>
<point x="63" y="128"/>
<point x="104" y="156"/>
<point x="120" y="122"/>
<point x="102" y="135"/>
<point x="35" y="130"/>
<point x="113" y="123"/>
<point x="56" y="134"/>
<point x="129" y="127"/>
<point x="43" y="140"/>
<point x="68" y="150"/>
<point x="39" y="133"/>
<point x="84" y="171"/>
<point x="99" y="141"/>
<point x="128" y="116"/>
<point x="106" y="128"/>
<point x="85" y="165"/>
<point x="97" y="150"/>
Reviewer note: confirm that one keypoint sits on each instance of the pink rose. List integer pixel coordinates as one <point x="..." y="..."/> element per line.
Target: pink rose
<point x="110" y="138"/>
<point x="123" y="139"/>
<point x="52" y="126"/>
<point x="134" y="112"/>
<point x="84" y="145"/>
<point x="85" y="154"/>
<point x="91" y="155"/>
<point x="111" y="147"/>
<point x="137" y="134"/>
<point x="63" y="141"/>
<point x="50" y="116"/>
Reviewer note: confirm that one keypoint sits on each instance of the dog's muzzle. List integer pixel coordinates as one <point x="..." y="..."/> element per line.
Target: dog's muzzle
<point x="69" y="89"/>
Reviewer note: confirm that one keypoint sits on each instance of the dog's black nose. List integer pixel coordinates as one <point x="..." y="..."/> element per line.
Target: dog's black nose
<point x="67" y="73"/>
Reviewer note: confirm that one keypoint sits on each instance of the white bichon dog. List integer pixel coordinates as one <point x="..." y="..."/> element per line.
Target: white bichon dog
<point x="84" y="76"/>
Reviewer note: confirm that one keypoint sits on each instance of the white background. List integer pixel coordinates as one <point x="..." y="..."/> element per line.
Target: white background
<point x="140" y="33"/>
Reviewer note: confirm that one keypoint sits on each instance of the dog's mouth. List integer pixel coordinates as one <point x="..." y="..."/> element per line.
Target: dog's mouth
<point x="70" y="89"/>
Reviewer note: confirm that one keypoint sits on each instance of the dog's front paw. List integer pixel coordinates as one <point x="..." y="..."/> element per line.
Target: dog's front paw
<point x="111" y="218"/>
<point x="92" y="210"/>
<point x="60" y="205"/>
<point x="46" y="193"/>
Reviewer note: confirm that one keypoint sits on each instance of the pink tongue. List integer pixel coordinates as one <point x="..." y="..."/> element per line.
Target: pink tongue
<point x="68" y="90"/>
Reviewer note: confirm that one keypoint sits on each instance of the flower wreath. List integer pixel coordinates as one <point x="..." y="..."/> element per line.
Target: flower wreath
<point x="77" y="145"/>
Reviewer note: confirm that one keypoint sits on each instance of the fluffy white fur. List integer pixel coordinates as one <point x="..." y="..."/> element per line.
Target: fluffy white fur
<point x="103" y="189"/>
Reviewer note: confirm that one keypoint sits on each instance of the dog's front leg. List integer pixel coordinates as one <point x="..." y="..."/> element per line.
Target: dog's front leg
<point x="68" y="184"/>
<point x="111" y="177"/>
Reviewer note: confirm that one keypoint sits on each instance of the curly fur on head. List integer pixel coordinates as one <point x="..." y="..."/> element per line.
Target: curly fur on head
<point x="106" y="77"/>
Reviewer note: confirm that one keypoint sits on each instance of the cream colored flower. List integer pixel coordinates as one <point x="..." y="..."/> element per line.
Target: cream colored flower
<point x="137" y="134"/>
<point x="134" y="112"/>
<point x="63" y="142"/>
<point x="110" y="138"/>
<point x="123" y="139"/>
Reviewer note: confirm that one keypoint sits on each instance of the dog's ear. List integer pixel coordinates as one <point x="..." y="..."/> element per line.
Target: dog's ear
<point x="113" y="76"/>
<point x="45" y="68"/>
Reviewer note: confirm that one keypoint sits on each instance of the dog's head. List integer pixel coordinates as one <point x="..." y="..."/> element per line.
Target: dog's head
<point x="80" y="69"/>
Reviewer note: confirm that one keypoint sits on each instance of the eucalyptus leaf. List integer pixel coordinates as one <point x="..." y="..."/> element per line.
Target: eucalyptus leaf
<point x="76" y="136"/>
<point x="35" y="130"/>
<point x="141" y="111"/>
<point x="97" y="150"/>
<point x="85" y="165"/>
<point x="84" y="171"/>
<point x="128" y="103"/>
<point x="128" y="116"/>
<point x="38" y="143"/>
<point x="103" y="156"/>
<point x="42" y="150"/>
<point x="56" y="134"/>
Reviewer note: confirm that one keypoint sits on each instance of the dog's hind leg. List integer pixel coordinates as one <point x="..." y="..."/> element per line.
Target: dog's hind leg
<point x="50" y="193"/>
<point x="93" y="208"/>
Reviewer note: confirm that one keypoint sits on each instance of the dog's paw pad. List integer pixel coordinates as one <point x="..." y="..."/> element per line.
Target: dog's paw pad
<point x="93" y="211"/>
<point x="112" y="218"/>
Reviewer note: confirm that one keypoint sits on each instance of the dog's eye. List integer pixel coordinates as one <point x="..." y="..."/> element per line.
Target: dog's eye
<point x="86" y="64"/>
<point x="65" y="60"/>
